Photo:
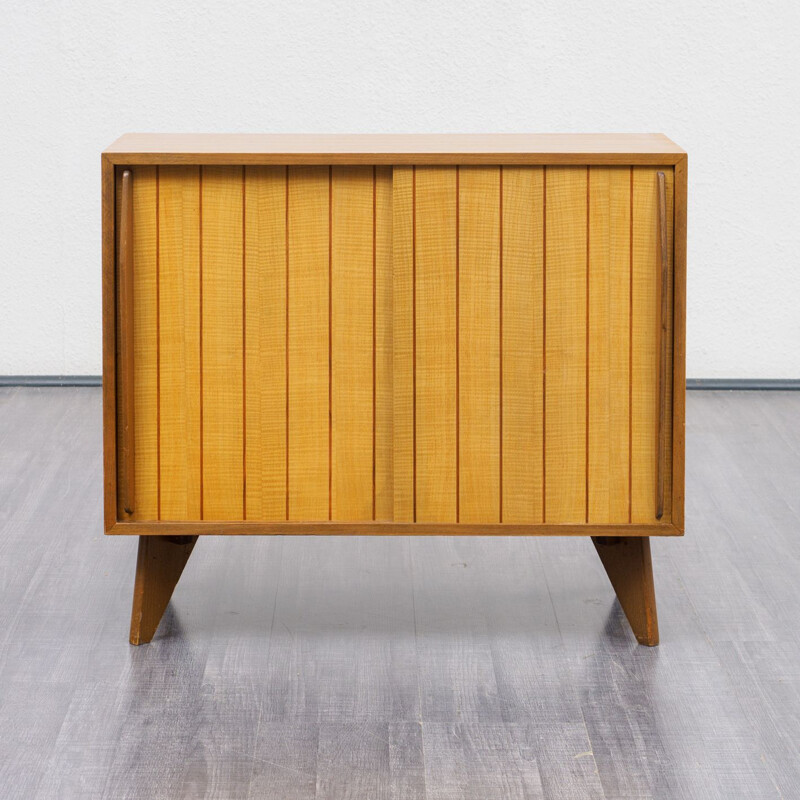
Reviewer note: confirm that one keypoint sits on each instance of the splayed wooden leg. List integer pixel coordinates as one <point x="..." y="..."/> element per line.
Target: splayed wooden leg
<point x="628" y="565"/>
<point x="158" y="567"/>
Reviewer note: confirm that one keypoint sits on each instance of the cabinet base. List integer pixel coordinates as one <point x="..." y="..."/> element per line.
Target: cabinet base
<point x="627" y="562"/>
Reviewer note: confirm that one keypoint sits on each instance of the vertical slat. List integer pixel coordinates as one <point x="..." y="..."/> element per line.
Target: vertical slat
<point x="661" y="335"/>
<point x="645" y="345"/>
<point x="479" y="344"/>
<point x="522" y="343"/>
<point x="222" y="343"/>
<point x="565" y="313"/>
<point x="265" y="342"/>
<point x="436" y="248"/>
<point x="352" y="283"/>
<point x="308" y="366"/>
<point x="145" y="344"/>
<point x="179" y="341"/>
<point x="127" y="472"/>
<point x="384" y="468"/>
<point x="403" y="179"/>
<point x="609" y="330"/>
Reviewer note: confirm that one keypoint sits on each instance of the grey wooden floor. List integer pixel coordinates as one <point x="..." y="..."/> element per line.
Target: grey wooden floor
<point x="396" y="667"/>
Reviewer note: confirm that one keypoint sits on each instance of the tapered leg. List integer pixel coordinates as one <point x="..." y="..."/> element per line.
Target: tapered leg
<point x="628" y="565"/>
<point x="159" y="565"/>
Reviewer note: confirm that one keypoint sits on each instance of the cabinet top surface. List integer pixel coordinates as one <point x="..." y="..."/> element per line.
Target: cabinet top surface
<point x="394" y="148"/>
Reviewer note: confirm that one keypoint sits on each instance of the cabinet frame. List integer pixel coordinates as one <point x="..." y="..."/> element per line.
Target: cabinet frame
<point x="546" y="149"/>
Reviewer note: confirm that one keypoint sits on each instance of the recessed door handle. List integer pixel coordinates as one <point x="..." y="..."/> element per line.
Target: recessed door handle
<point x="663" y="303"/>
<point x="125" y="278"/>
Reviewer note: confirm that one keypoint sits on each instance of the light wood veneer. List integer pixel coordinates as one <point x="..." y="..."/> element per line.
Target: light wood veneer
<point x="395" y="334"/>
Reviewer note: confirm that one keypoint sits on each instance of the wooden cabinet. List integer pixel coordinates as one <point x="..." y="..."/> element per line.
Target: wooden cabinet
<point x="394" y="334"/>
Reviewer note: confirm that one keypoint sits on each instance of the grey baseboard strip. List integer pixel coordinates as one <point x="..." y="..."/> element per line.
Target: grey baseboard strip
<point x="51" y="380"/>
<point x="744" y="384"/>
<point x="692" y="384"/>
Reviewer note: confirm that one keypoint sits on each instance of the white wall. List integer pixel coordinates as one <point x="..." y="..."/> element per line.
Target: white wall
<point x="722" y="79"/>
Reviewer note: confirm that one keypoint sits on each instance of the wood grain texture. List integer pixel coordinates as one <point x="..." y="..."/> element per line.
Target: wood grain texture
<point x="435" y="332"/>
<point x="159" y="565"/>
<point x="352" y="343"/>
<point x="523" y="374"/>
<point x="403" y="341"/>
<point x="84" y="716"/>
<point x="468" y="760"/>
<point x="265" y="342"/>
<point x="222" y="365"/>
<point x="308" y="349"/>
<point x="645" y="321"/>
<point x="127" y="406"/>
<point x="630" y="569"/>
<point x="645" y="355"/>
<point x="379" y="528"/>
<point x="345" y="747"/>
<point x="395" y="149"/>
<point x="179" y="342"/>
<point x="315" y="597"/>
<point x="678" y="431"/>
<point x="565" y="357"/>
<point x="453" y="296"/>
<point x="479" y="344"/>
<point x="109" y="312"/>
<point x="609" y="344"/>
<point x="384" y="346"/>
<point x="672" y="342"/>
<point x="662" y="334"/>
<point x="145" y="343"/>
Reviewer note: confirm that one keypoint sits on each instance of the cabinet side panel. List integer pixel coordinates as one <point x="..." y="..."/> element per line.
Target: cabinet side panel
<point x="479" y="344"/>
<point x="436" y="235"/>
<point x="403" y="192"/>
<point x="609" y="343"/>
<point x="352" y="341"/>
<point x="265" y="342"/>
<point x="179" y="342"/>
<point x="384" y="467"/>
<point x="145" y="341"/>
<point x="222" y="345"/>
<point x="523" y="376"/>
<point x="308" y="352"/>
<point x="110" y="358"/>
<point x="680" y="175"/>
<point x="565" y="357"/>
